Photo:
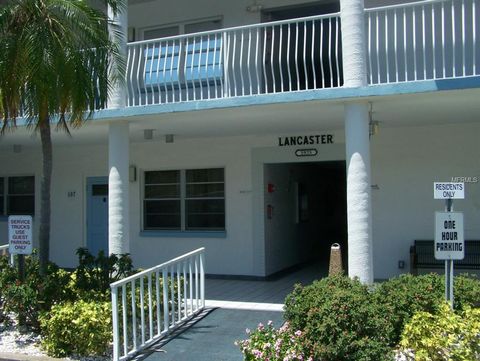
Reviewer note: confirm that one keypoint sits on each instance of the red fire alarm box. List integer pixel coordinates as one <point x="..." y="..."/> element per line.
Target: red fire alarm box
<point x="270" y="188"/>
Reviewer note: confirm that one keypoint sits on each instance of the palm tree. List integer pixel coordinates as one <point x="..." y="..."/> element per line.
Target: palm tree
<point x="58" y="64"/>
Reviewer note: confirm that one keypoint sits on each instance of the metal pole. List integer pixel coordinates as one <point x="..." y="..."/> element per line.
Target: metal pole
<point x="449" y="265"/>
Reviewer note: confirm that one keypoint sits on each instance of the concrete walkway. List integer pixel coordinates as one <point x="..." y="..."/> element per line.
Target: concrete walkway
<point x="212" y="338"/>
<point x="232" y="307"/>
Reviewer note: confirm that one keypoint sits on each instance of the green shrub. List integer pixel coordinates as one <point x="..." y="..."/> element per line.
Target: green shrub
<point x="82" y="328"/>
<point x="94" y="274"/>
<point x="36" y="294"/>
<point x="339" y="320"/>
<point x="268" y="343"/>
<point x="466" y="292"/>
<point x="405" y="295"/>
<point x="445" y="336"/>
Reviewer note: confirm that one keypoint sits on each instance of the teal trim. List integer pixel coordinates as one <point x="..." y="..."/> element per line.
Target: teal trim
<point x="184" y="234"/>
<point x="425" y="86"/>
<point x="339" y="94"/>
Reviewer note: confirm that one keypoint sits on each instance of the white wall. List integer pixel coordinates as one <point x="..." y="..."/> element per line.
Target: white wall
<point x="144" y="14"/>
<point x="282" y="246"/>
<point x="405" y="163"/>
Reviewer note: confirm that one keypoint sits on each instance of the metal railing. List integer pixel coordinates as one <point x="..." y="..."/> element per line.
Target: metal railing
<point x="281" y="56"/>
<point x="434" y="39"/>
<point x="4" y="251"/>
<point x="152" y="303"/>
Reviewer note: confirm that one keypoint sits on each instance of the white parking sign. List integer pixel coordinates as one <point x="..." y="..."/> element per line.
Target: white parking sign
<point x="449" y="240"/>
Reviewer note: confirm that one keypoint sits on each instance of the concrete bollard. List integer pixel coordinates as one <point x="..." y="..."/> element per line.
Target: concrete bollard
<point x="336" y="266"/>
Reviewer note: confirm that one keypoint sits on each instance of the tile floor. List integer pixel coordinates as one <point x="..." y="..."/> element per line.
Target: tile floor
<point x="258" y="295"/>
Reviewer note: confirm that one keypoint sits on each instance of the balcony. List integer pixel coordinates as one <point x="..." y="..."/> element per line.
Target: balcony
<point x="427" y="40"/>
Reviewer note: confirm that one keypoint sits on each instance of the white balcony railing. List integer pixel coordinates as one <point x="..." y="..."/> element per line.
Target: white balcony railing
<point x="264" y="58"/>
<point x="162" y="297"/>
<point x="433" y="39"/>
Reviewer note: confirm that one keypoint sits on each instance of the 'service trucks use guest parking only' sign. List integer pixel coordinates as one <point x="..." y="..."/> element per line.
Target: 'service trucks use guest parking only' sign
<point x="20" y="234"/>
<point x="449" y="241"/>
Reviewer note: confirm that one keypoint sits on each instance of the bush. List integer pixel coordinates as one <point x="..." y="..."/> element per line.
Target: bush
<point x="405" y="295"/>
<point x="445" y="336"/>
<point x="82" y="328"/>
<point x="466" y="292"/>
<point x="339" y="320"/>
<point x="36" y="294"/>
<point x="94" y="274"/>
<point x="268" y="343"/>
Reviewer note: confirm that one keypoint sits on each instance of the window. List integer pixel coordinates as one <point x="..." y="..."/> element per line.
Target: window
<point x="185" y="200"/>
<point x="17" y="195"/>
<point x="179" y="62"/>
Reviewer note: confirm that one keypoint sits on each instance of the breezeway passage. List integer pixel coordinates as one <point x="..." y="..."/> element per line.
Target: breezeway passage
<point x="231" y="307"/>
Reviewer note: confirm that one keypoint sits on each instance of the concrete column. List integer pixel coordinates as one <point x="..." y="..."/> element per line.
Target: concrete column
<point x="118" y="32"/>
<point x="354" y="50"/>
<point x="118" y="188"/>
<point x="360" y="259"/>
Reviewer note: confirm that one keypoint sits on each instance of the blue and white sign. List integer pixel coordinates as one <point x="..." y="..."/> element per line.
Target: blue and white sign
<point x="20" y="234"/>
<point x="448" y="190"/>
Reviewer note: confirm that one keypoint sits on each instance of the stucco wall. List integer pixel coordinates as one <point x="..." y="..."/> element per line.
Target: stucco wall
<point x="405" y="163"/>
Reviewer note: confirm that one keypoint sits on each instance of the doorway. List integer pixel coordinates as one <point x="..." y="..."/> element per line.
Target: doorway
<point x="305" y="213"/>
<point x="97" y="215"/>
<point x="300" y="63"/>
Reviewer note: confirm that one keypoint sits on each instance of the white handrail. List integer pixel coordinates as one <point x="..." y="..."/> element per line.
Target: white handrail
<point x="405" y="5"/>
<point x="273" y="57"/>
<point x="425" y="40"/>
<point x="164" y="296"/>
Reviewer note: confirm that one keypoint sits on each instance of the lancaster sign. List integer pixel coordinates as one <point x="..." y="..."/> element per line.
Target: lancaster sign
<point x="305" y="140"/>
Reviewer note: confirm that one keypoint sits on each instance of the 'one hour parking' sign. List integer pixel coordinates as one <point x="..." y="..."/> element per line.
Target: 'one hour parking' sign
<point x="449" y="241"/>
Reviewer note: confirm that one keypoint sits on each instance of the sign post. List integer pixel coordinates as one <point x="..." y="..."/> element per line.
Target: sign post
<point x="449" y="238"/>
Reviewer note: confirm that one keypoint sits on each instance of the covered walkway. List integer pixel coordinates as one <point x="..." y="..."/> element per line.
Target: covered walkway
<point x="231" y="307"/>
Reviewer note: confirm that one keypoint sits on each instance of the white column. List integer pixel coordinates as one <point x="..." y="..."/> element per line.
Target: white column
<point x="360" y="259"/>
<point x="360" y="262"/>
<point x="118" y="184"/>
<point x="118" y="32"/>
<point x="353" y="43"/>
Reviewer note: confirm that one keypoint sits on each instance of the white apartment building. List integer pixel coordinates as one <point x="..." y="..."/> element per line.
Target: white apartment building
<point x="265" y="131"/>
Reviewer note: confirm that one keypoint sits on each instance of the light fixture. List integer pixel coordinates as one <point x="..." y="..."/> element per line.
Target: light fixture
<point x="255" y="7"/>
<point x="373" y="125"/>
<point x="148" y="134"/>
<point x="169" y="138"/>
<point x="132" y="173"/>
<point x="17" y="148"/>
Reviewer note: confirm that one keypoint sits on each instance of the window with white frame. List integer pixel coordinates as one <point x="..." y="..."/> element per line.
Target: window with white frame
<point x="184" y="200"/>
<point x="17" y="195"/>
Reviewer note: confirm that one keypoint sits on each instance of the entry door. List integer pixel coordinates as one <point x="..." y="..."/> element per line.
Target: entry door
<point x="97" y="214"/>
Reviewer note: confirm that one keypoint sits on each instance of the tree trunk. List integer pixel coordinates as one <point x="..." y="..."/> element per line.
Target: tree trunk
<point x="44" y="234"/>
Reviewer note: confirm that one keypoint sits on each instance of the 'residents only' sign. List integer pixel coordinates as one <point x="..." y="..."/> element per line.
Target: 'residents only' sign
<point x="449" y="240"/>
<point x="448" y="190"/>
<point x="20" y="234"/>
